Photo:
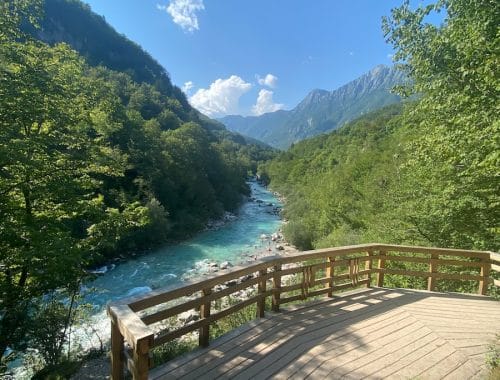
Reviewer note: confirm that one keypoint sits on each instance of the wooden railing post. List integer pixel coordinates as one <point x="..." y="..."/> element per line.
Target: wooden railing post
<point x="261" y="302"/>
<point x="431" y="281"/>
<point x="140" y="370"/>
<point x="330" y="272"/>
<point x="368" y="266"/>
<point x="117" y="353"/>
<point x="485" y="274"/>
<point x="205" y="313"/>
<point x="381" y="266"/>
<point x="276" y="288"/>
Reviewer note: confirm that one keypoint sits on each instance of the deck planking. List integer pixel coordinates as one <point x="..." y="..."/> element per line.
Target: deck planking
<point x="374" y="333"/>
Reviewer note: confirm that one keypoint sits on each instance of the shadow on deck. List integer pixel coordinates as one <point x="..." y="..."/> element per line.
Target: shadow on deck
<point x="374" y="333"/>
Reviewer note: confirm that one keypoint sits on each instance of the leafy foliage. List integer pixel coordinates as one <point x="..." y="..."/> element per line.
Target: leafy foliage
<point x="94" y="164"/>
<point x="453" y="168"/>
<point x="337" y="185"/>
<point x="428" y="176"/>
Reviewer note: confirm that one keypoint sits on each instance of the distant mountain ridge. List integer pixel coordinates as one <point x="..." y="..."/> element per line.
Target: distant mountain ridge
<point x="321" y="111"/>
<point x="73" y="22"/>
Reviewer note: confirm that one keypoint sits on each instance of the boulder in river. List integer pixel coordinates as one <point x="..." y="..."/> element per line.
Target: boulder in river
<point x="100" y="270"/>
<point x="231" y="282"/>
<point x="246" y="278"/>
<point x="188" y="316"/>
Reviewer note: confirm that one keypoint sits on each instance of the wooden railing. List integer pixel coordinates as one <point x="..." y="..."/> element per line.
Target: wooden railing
<point x="136" y="323"/>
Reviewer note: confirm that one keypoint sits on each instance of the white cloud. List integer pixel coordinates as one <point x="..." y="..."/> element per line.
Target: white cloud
<point x="222" y="97"/>
<point x="265" y="103"/>
<point x="184" y="13"/>
<point x="269" y="80"/>
<point x="308" y="60"/>
<point x="188" y="86"/>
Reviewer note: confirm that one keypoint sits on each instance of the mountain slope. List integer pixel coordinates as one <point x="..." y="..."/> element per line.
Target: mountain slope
<point x="321" y="111"/>
<point x="191" y="166"/>
<point x="74" y="22"/>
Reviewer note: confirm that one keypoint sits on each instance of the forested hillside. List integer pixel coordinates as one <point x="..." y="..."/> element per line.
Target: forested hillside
<point x="336" y="185"/>
<point x="428" y="174"/>
<point x="94" y="163"/>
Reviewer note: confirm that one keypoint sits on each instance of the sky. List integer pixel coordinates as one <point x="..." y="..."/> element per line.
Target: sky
<point x="249" y="57"/>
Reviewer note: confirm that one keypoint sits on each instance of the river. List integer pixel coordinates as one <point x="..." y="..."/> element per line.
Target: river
<point x="237" y="241"/>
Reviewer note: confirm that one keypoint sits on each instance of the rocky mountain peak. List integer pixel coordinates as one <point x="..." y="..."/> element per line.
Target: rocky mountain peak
<point x="321" y="110"/>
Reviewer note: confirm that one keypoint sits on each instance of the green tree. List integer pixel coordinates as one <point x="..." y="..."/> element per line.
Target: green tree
<point x="53" y="151"/>
<point x="14" y="12"/>
<point x="452" y="173"/>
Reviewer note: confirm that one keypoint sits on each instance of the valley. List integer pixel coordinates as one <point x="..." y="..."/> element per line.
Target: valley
<point x="124" y="170"/>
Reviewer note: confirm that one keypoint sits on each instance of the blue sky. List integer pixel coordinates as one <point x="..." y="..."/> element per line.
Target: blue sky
<point x="254" y="56"/>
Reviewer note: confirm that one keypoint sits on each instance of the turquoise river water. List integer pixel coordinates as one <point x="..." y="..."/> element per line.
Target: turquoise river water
<point x="235" y="242"/>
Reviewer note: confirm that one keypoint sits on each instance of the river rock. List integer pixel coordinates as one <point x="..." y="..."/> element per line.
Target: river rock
<point x="188" y="316"/>
<point x="231" y="282"/>
<point x="100" y="270"/>
<point x="225" y="265"/>
<point x="279" y="247"/>
<point x="218" y="288"/>
<point x="246" y="278"/>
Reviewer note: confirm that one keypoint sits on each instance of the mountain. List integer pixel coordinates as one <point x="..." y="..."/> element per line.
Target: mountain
<point x="321" y="111"/>
<point x="73" y="22"/>
<point x="178" y="159"/>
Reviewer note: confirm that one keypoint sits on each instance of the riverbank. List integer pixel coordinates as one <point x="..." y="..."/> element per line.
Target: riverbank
<point x="240" y="240"/>
<point x="254" y="233"/>
<point x="99" y="368"/>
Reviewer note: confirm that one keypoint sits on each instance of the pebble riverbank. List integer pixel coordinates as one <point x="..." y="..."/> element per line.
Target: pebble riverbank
<point x="99" y="368"/>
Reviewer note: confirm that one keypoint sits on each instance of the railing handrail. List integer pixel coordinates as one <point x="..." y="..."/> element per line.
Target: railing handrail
<point x="127" y="325"/>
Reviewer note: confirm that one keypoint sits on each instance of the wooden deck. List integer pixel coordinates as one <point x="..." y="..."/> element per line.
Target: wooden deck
<point x="374" y="333"/>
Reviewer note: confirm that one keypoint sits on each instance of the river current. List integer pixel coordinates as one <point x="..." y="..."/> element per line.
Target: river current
<point x="237" y="241"/>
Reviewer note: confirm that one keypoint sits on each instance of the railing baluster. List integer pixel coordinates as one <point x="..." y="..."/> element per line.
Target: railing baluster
<point x="261" y="303"/>
<point x="368" y="266"/>
<point x="433" y="265"/>
<point x="276" y="288"/>
<point x="381" y="266"/>
<point x="330" y="272"/>
<point x="127" y="325"/>
<point x="141" y="361"/>
<point x="485" y="274"/>
<point x="205" y="313"/>
<point x="117" y="353"/>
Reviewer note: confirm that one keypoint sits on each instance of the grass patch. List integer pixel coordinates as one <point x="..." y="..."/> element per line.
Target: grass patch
<point x="61" y="371"/>
<point x="173" y="349"/>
